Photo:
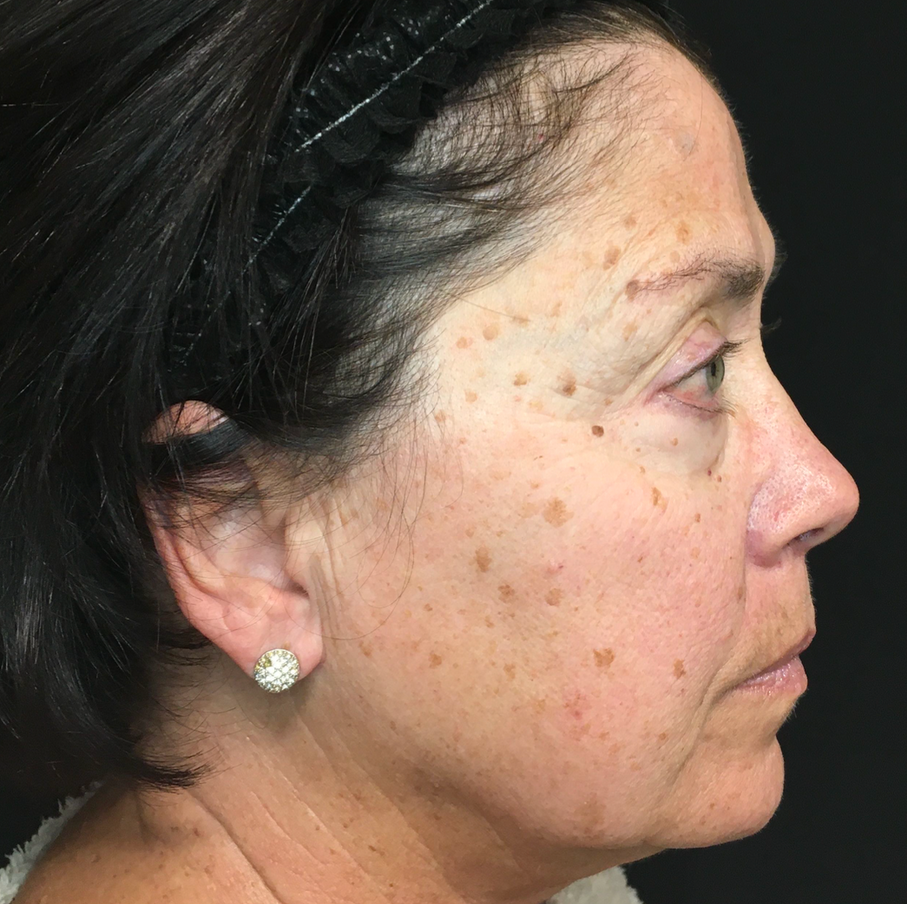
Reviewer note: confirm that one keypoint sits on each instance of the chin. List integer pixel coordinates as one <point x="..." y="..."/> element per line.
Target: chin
<point x="736" y="804"/>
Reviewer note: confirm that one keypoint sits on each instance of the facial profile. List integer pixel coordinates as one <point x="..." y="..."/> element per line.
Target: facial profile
<point x="603" y="533"/>
<point x="526" y="624"/>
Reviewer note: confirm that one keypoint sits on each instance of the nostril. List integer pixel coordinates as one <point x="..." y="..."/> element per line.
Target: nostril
<point x="809" y="537"/>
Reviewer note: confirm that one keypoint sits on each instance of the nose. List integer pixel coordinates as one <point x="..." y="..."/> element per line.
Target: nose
<point x="805" y="495"/>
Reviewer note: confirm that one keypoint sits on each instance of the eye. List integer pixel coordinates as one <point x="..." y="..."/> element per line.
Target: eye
<point x="700" y="387"/>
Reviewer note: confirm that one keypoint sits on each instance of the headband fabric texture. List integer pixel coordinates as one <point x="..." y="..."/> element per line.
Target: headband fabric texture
<point x="357" y="114"/>
<point x="361" y="110"/>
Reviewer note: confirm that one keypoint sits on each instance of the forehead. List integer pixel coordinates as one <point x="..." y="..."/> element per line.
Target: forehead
<point x="662" y="183"/>
<point x="670" y="190"/>
<point x="681" y="162"/>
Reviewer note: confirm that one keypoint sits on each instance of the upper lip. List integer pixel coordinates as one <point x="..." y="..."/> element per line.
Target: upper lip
<point x="785" y="658"/>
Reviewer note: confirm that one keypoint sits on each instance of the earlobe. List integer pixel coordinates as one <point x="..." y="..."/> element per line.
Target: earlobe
<point x="231" y="581"/>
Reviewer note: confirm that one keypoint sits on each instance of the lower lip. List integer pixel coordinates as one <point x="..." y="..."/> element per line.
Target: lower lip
<point x="789" y="678"/>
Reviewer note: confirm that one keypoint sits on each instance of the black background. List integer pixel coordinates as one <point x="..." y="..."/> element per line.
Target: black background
<point x="821" y="97"/>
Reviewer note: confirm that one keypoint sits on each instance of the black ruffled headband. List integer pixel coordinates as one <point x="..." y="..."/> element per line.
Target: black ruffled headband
<point x="351" y="120"/>
<point x="360" y="111"/>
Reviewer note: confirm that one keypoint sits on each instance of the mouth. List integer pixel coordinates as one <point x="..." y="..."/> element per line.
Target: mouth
<point x="785" y="659"/>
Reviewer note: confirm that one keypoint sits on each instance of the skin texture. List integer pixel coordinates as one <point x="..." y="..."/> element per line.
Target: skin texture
<point x="523" y="628"/>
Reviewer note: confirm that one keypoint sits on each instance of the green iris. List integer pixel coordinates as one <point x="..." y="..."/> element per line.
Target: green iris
<point x="714" y="374"/>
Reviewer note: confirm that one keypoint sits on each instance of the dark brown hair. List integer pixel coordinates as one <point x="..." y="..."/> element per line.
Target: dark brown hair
<point x="135" y="141"/>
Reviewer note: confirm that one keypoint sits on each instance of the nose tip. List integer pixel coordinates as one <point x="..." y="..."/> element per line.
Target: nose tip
<point x="836" y="507"/>
<point x="806" y="496"/>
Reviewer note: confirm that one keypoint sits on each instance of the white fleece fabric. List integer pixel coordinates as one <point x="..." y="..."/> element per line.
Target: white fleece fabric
<point x="606" y="888"/>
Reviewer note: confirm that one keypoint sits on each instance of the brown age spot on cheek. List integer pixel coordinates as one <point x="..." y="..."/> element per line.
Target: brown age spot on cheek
<point x="510" y="671"/>
<point x="633" y="288"/>
<point x="604" y="658"/>
<point x="679" y="669"/>
<point x="568" y="384"/>
<point x="483" y="559"/>
<point x="684" y="233"/>
<point x="520" y="379"/>
<point x="554" y="597"/>
<point x="471" y="397"/>
<point x="507" y="593"/>
<point x="464" y="342"/>
<point x="598" y="431"/>
<point x="366" y="649"/>
<point x="630" y="330"/>
<point x="630" y="222"/>
<point x="434" y="661"/>
<point x="658" y="499"/>
<point x="491" y="332"/>
<point x="695" y="552"/>
<point x="611" y="258"/>
<point x="697" y="518"/>
<point x="556" y="513"/>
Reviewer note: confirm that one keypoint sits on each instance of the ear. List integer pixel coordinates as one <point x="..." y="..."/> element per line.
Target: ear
<point x="229" y="571"/>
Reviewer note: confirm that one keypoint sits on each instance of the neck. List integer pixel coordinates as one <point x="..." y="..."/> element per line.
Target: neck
<point x="303" y="818"/>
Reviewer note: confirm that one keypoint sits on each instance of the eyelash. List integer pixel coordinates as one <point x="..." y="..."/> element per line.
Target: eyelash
<point x="727" y="351"/>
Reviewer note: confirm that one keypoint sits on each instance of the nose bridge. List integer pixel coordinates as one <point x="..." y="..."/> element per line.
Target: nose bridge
<point x="805" y="495"/>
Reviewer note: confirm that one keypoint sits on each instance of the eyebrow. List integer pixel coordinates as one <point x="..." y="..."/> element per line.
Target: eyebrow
<point x="737" y="280"/>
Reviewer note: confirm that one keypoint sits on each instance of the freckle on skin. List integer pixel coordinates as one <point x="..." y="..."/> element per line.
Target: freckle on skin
<point x="658" y="499"/>
<point x="510" y="671"/>
<point x="630" y="222"/>
<point x="611" y="258"/>
<point x="483" y="559"/>
<point x="554" y="597"/>
<point x="440" y="417"/>
<point x="633" y="288"/>
<point x="679" y="670"/>
<point x="697" y="518"/>
<point x="471" y="397"/>
<point x="491" y="332"/>
<point x="464" y="342"/>
<point x="556" y="513"/>
<point x="507" y="593"/>
<point x="642" y="470"/>
<point x="520" y="380"/>
<point x="568" y="385"/>
<point x="435" y="661"/>
<point x="695" y="552"/>
<point x="630" y="330"/>
<point x="598" y="431"/>
<point x="604" y="658"/>
<point x="428" y="607"/>
<point x="684" y="233"/>
<point x="675" y="441"/>
<point x="556" y="310"/>
<point x="366" y="649"/>
<point x="488" y="622"/>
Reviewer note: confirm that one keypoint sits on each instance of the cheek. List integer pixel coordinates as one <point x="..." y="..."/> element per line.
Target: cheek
<point x="588" y="575"/>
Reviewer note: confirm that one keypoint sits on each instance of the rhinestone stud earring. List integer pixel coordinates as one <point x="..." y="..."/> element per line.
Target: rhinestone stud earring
<point x="276" y="671"/>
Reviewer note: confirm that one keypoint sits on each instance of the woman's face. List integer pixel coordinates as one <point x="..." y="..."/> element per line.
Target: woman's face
<point x="600" y="538"/>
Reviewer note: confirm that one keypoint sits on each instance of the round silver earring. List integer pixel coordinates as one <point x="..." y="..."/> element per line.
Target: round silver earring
<point x="276" y="671"/>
